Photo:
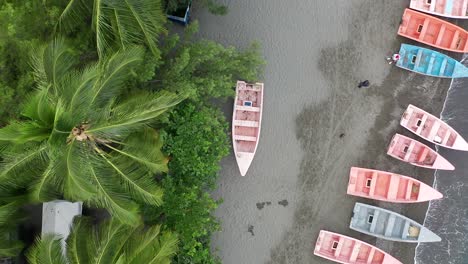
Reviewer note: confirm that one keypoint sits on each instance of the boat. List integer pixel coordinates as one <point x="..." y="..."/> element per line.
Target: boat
<point x="446" y="8"/>
<point x="433" y="31"/>
<point x="344" y="249"/>
<point x="385" y="224"/>
<point x="430" y="62"/>
<point x="417" y="154"/>
<point x="389" y="187"/>
<point x="246" y="122"/>
<point x="432" y="129"/>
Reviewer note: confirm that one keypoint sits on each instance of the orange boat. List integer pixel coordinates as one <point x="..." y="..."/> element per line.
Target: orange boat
<point x="246" y="123"/>
<point x="433" y="31"/>
<point x="389" y="187"/>
<point x="432" y="128"/>
<point x="417" y="154"/>
<point x="348" y="250"/>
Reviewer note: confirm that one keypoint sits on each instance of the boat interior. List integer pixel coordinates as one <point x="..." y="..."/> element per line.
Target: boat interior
<point x="384" y="224"/>
<point x="430" y="128"/>
<point x="247" y="117"/>
<point x="386" y="186"/>
<point x="412" y="151"/>
<point x="425" y="61"/>
<point x="348" y="250"/>
<point x="419" y="26"/>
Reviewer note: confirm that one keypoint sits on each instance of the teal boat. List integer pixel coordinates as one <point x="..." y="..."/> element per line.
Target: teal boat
<point x="429" y="62"/>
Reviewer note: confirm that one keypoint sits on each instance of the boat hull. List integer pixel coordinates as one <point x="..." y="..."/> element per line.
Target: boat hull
<point x="451" y="8"/>
<point x="246" y="123"/>
<point x="389" y="187"/>
<point x="433" y="31"/>
<point x="347" y="250"/>
<point x="411" y="151"/>
<point x="386" y="224"/>
<point x="428" y="62"/>
<point x="432" y="129"/>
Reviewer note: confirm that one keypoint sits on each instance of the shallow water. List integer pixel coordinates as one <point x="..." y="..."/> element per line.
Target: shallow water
<point x="448" y="217"/>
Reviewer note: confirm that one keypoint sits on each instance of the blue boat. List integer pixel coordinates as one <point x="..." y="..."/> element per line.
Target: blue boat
<point x="181" y="15"/>
<point x="429" y="62"/>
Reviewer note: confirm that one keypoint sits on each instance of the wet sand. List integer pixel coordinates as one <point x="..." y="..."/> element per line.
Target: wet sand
<point x="316" y="51"/>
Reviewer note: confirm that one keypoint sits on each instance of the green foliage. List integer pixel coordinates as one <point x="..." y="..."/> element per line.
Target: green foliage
<point x="80" y="140"/>
<point x="117" y="24"/>
<point x="205" y="69"/>
<point x="196" y="141"/>
<point x="10" y="217"/>
<point x="110" y="242"/>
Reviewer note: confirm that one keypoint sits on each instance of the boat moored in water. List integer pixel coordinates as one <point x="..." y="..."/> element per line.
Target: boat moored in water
<point x="433" y="31"/>
<point x="432" y="128"/>
<point x="446" y="8"/>
<point x="389" y="187"/>
<point x="429" y="62"/>
<point x="348" y="250"/>
<point x="416" y="153"/>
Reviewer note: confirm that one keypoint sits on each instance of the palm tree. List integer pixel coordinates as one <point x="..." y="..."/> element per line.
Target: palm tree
<point x="118" y="23"/>
<point x="82" y="140"/>
<point x="9" y="219"/>
<point x="110" y="242"/>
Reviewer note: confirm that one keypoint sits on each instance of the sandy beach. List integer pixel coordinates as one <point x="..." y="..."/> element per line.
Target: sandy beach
<point x="316" y="51"/>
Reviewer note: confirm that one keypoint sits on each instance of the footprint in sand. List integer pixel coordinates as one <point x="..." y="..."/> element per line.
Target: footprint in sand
<point x="250" y="230"/>
<point x="283" y="202"/>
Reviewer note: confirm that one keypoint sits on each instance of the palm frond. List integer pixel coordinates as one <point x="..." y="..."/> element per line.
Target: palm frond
<point x="134" y="179"/>
<point x="46" y="250"/>
<point x="114" y="199"/>
<point x="139" y="22"/>
<point x="39" y="108"/>
<point x="134" y="113"/>
<point x="51" y="62"/>
<point x="151" y="246"/>
<point x="114" y="70"/>
<point x="47" y="186"/>
<point x="78" y="242"/>
<point x="74" y="12"/>
<point x="9" y="247"/>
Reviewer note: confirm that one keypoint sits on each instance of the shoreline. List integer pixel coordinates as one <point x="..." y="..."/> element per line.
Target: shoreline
<point x="311" y="98"/>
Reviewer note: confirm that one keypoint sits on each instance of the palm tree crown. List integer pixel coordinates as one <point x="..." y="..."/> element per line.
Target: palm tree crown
<point x="110" y="242"/>
<point x="80" y="139"/>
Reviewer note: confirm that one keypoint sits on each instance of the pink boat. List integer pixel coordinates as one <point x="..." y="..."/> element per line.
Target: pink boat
<point x="246" y="123"/>
<point x="416" y="153"/>
<point x="432" y="128"/>
<point x="389" y="187"/>
<point x="446" y="8"/>
<point x="433" y="31"/>
<point x="347" y="250"/>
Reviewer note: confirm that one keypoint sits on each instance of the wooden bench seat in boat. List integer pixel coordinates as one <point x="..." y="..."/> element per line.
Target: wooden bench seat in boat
<point x="431" y="64"/>
<point x="443" y="66"/>
<point x="409" y="151"/>
<point x="373" y="184"/>
<point x="393" y="187"/>
<point x="370" y="258"/>
<point x="245" y="123"/>
<point x="434" y="130"/>
<point x="455" y="40"/>
<point x="409" y="190"/>
<point x="340" y="247"/>
<point x="440" y="36"/>
<point x="355" y="252"/>
<point x="432" y="6"/>
<point x="374" y="222"/>
<point x="418" y="58"/>
<point x="247" y="108"/>
<point x="448" y="7"/>
<point x="423" y="155"/>
<point x="464" y="7"/>
<point x="245" y="138"/>
<point x="425" y="26"/>
<point x="390" y="225"/>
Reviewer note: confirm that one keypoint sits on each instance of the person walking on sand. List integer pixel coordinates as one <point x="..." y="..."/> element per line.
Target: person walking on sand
<point x="365" y="83"/>
<point x="394" y="58"/>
